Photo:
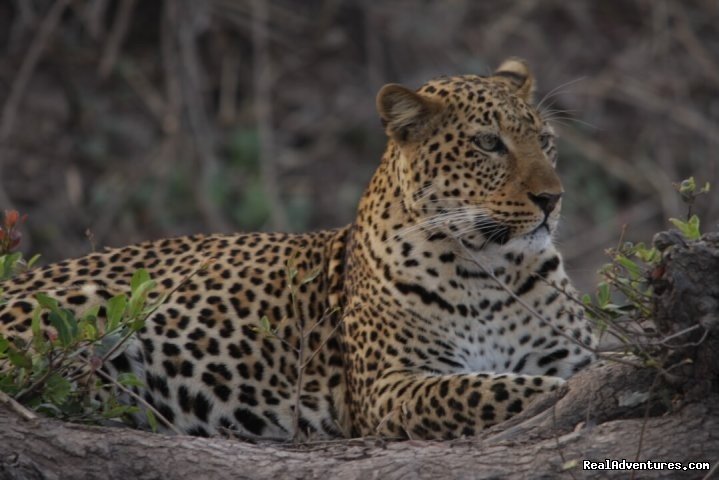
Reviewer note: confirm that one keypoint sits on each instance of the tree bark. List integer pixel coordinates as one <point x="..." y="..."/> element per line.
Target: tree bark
<point x="48" y="449"/>
<point x="610" y="411"/>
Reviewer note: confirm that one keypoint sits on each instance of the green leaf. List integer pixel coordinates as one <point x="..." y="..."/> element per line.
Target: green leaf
<point x="19" y="359"/>
<point x="49" y="409"/>
<point x="66" y="325"/>
<point x="694" y="232"/>
<point x="91" y="313"/>
<point x="265" y="322"/>
<point x="311" y="276"/>
<point x="265" y="327"/>
<point x="88" y="327"/>
<point x="138" y="278"/>
<point x="7" y="385"/>
<point x="36" y="323"/>
<point x="138" y="323"/>
<point x="39" y="342"/>
<point x="33" y="260"/>
<point x="4" y="345"/>
<point x="47" y="302"/>
<point x="88" y="323"/>
<point x="630" y="266"/>
<point x="73" y="325"/>
<point x="39" y="365"/>
<point x="63" y="331"/>
<point x="107" y="343"/>
<point x="9" y="264"/>
<point x="115" y="310"/>
<point x="151" y="420"/>
<point x="690" y="228"/>
<point x="139" y="297"/>
<point x="603" y="294"/>
<point x="57" y="389"/>
<point x="119" y="411"/>
<point x="602" y="325"/>
<point x="647" y="255"/>
<point x="688" y="186"/>
<point x="129" y="380"/>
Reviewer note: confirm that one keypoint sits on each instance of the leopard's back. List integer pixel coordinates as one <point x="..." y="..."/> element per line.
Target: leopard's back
<point x="220" y="354"/>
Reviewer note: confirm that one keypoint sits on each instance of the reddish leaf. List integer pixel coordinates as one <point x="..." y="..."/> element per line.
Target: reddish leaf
<point x="11" y="218"/>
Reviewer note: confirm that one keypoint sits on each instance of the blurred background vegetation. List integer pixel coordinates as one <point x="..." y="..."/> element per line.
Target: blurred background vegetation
<point x="127" y="120"/>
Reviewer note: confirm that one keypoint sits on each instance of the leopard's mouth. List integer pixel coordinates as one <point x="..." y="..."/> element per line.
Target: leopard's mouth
<point x="542" y="226"/>
<point x="486" y="232"/>
<point x="492" y="231"/>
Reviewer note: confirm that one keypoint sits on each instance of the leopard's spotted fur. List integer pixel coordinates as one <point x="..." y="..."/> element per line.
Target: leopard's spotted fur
<point x="408" y="330"/>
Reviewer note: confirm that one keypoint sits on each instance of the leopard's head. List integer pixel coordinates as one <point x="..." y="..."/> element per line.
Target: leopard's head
<point x="474" y="157"/>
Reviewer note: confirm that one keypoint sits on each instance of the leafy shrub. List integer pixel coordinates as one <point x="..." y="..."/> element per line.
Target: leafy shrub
<point x="57" y="370"/>
<point x="623" y="303"/>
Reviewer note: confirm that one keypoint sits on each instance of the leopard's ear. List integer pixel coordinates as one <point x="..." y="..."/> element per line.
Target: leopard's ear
<point x="516" y="73"/>
<point x="406" y="115"/>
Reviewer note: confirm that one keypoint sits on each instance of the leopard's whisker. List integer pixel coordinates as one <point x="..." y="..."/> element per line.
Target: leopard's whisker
<point x="557" y="90"/>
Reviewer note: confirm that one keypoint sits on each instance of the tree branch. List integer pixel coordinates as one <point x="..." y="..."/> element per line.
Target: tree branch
<point x="46" y="448"/>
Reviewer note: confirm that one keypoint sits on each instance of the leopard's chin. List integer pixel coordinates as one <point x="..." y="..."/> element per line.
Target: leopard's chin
<point x="538" y="239"/>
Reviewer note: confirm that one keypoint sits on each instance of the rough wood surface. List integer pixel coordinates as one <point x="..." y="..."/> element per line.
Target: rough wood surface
<point x="609" y="411"/>
<point x="544" y="448"/>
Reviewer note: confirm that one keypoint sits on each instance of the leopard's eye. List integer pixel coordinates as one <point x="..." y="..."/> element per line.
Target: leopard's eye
<point x="490" y="142"/>
<point x="544" y="140"/>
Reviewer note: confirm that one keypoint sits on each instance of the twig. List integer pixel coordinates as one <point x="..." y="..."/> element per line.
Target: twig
<point x="508" y="23"/>
<point x="26" y="19"/>
<point x="5" y="200"/>
<point x="171" y="67"/>
<point x="262" y="78"/>
<point x="37" y="48"/>
<point x="684" y="332"/>
<point x="592" y="239"/>
<point x="41" y="380"/>
<point x="685" y="34"/>
<point x="139" y="82"/>
<point x="559" y="445"/>
<point x="240" y="14"/>
<point x="16" y="407"/>
<point x="300" y="352"/>
<point x="612" y="164"/>
<point x="519" y="300"/>
<point x="157" y="304"/>
<point x="298" y="394"/>
<point x="139" y="399"/>
<point x="324" y="342"/>
<point x="181" y="23"/>
<point x="116" y="37"/>
<point x="615" y="330"/>
<point x="711" y="472"/>
<point x="229" y="82"/>
<point x="638" y="95"/>
<point x="645" y="421"/>
<point x="93" y="16"/>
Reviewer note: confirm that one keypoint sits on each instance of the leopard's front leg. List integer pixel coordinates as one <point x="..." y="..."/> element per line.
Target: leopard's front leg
<point x="448" y="406"/>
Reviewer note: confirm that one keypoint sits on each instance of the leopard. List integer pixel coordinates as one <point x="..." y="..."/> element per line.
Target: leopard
<point x="444" y="308"/>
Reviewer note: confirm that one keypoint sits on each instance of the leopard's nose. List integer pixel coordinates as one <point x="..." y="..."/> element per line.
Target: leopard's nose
<point x="547" y="202"/>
